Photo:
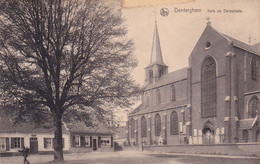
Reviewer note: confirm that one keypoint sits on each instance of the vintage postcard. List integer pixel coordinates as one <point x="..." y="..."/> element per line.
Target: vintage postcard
<point x="130" y="81"/>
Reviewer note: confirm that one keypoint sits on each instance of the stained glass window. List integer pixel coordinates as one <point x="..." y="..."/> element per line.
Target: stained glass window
<point x="157" y="125"/>
<point x="143" y="127"/>
<point x="253" y="107"/>
<point x="253" y="68"/>
<point x="132" y="128"/>
<point x="208" y="88"/>
<point x="174" y="123"/>
<point x="158" y="94"/>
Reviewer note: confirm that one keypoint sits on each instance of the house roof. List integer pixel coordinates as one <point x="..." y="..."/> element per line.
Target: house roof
<point x="80" y="127"/>
<point x="6" y="126"/>
<point x="169" y="78"/>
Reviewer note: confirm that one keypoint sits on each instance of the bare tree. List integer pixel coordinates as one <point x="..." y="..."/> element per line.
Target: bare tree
<point x="57" y="56"/>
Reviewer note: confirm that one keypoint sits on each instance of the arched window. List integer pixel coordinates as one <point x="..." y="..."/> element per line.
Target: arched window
<point x="245" y="135"/>
<point x="147" y="99"/>
<point x="253" y="107"/>
<point x="151" y="76"/>
<point x="158" y="95"/>
<point x="157" y="125"/>
<point x="208" y="88"/>
<point x="143" y="127"/>
<point x="132" y="128"/>
<point x="173" y="95"/>
<point x="253" y="68"/>
<point x="174" y="123"/>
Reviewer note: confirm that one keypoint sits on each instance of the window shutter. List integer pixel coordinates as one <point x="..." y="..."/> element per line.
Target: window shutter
<point x="90" y="141"/>
<point x="52" y="142"/>
<point x="112" y="142"/>
<point x="73" y="141"/>
<point x="7" y="144"/>
<point x="22" y="142"/>
<point x="12" y="143"/>
<point x="99" y="141"/>
<point x="45" y="143"/>
<point x="82" y="141"/>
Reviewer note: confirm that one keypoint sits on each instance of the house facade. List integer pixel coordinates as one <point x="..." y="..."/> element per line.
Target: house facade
<point x="214" y="100"/>
<point x="75" y="138"/>
<point x="39" y="140"/>
<point x="93" y="138"/>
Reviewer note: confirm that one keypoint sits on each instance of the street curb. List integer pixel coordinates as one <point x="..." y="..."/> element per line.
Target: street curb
<point x="208" y="155"/>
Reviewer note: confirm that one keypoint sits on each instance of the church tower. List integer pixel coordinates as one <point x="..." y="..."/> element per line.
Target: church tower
<point x="156" y="69"/>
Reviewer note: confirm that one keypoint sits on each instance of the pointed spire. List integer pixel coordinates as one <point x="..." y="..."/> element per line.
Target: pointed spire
<point x="156" y="55"/>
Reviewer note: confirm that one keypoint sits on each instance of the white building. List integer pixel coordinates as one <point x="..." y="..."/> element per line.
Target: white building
<point x="39" y="140"/>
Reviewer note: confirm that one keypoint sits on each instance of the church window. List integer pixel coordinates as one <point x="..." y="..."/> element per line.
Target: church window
<point x="157" y="125"/>
<point x="151" y="76"/>
<point x="245" y="135"/>
<point x="174" y="123"/>
<point x="143" y="127"/>
<point x="253" y="107"/>
<point x="161" y="72"/>
<point x="147" y="100"/>
<point x="253" y="68"/>
<point x="158" y="95"/>
<point x="208" y="44"/>
<point x="208" y="88"/>
<point x="132" y="128"/>
<point x="173" y="94"/>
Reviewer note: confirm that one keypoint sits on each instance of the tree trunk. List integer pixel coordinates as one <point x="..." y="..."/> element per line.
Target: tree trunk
<point x="58" y="147"/>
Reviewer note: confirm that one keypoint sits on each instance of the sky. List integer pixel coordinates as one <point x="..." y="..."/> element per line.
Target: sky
<point x="180" y="31"/>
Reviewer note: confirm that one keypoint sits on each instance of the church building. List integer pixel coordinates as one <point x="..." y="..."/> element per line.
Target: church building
<point x="212" y="101"/>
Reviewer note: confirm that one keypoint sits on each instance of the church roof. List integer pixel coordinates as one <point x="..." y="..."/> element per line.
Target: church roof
<point x="238" y="44"/>
<point x="169" y="78"/>
<point x="162" y="106"/>
<point x="156" y="54"/>
<point x="256" y="47"/>
<point x="242" y="45"/>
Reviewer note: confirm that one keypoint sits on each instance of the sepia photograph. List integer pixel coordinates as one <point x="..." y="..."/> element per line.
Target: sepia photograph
<point x="129" y="81"/>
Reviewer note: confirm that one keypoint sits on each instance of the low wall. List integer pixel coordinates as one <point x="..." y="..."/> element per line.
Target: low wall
<point x="241" y="149"/>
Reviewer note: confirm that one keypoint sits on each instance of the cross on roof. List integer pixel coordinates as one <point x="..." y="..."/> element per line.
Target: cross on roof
<point x="208" y="20"/>
<point x="155" y="15"/>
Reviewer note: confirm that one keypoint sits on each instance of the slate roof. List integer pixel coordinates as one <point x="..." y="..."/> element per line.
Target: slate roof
<point x="156" y="53"/>
<point x="6" y="126"/>
<point x="163" y="106"/>
<point x="239" y="44"/>
<point x="169" y="78"/>
<point x="80" y="127"/>
<point x="256" y="47"/>
<point x="242" y="45"/>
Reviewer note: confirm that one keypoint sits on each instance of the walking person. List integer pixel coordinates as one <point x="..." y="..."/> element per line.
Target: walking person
<point x="25" y="152"/>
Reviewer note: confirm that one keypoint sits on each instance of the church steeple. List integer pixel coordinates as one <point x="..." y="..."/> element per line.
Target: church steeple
<point x="156" y="69"/>
<point x="156" y="54"/>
